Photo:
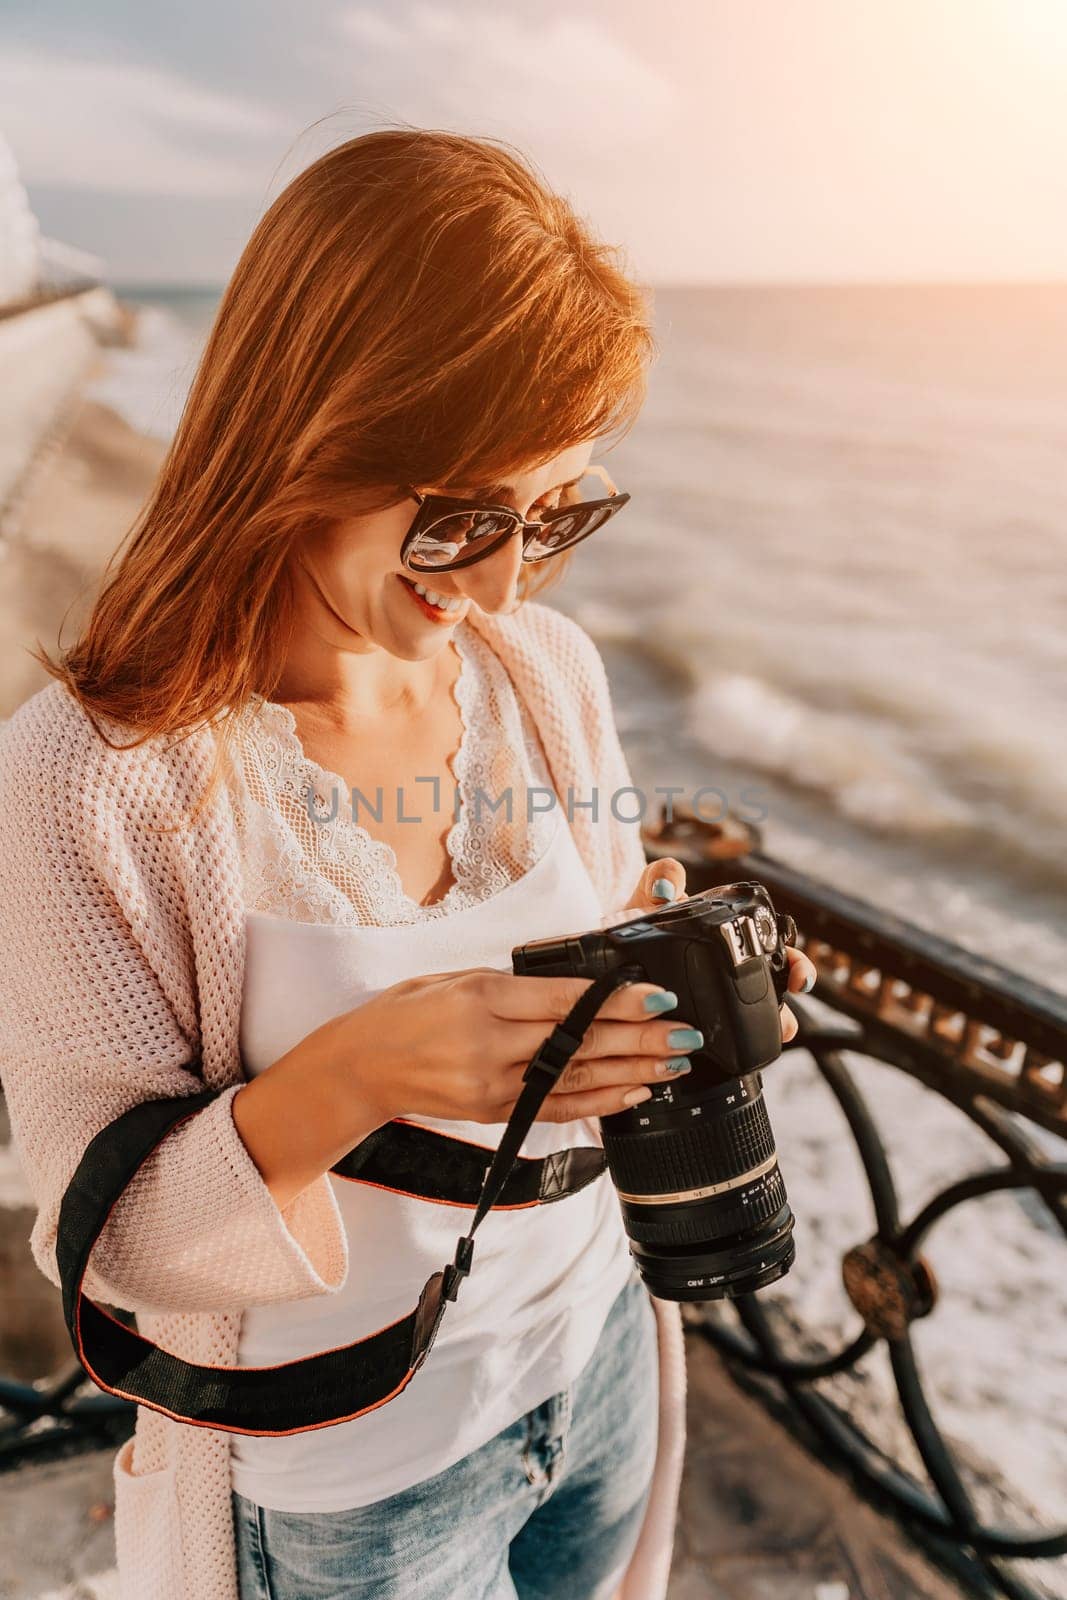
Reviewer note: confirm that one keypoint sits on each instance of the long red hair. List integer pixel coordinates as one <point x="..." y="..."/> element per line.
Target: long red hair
<point x="415" y="307"/>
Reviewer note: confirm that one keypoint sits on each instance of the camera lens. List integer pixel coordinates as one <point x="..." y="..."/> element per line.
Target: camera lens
<point x="695" y="1166"/>
<point x="695" y="1238"/>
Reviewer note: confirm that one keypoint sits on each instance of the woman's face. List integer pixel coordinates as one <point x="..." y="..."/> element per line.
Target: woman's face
<point x="353" y="569"/>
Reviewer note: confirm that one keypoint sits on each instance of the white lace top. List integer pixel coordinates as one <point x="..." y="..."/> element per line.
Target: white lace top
<point x="328" y="927"/>
<point x="306" y="856"/>
<point x="130" y="987"/>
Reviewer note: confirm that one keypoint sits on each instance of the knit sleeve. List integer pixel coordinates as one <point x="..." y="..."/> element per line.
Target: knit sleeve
<point x="577" y="670"/>
<point x="615" y="780"/>
<point x="98" y="1011"/>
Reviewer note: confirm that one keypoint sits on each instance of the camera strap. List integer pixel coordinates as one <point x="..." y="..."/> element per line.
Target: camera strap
<point x="335" y="1385"/>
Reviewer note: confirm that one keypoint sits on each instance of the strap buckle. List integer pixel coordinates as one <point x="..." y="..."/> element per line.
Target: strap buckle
<point x="458" y="1269"/>
<point x="553" y="1053"/>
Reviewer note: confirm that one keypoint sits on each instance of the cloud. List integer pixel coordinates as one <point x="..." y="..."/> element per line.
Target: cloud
<point x="561" y="78"/>
<point x="129" y="128"/>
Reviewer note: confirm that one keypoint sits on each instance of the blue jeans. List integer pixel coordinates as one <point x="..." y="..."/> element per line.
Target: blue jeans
<point x="549" y="1509"/>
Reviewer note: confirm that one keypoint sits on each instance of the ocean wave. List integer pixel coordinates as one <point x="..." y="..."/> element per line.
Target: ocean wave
<point x="989" y="792"/>
<point x="870" y="780"/>
<point x="957" y="770"/>
<point x="148" y="383"/>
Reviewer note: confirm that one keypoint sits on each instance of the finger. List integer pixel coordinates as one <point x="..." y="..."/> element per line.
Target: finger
<point x="605" y="1038"/>
<point x="589" y="1095"/>
<point x="610" y="1072"/>
<point x="524" y="999"/>
<point x="592" y="1103"/>
<point x="622" y="1027"/>
<point x="663" y="882"/>
<point x="802" y="971"/>
<point x="603" y="1076"/>
<point x="604" y="1041"/>
<point x="790" y="1025"/>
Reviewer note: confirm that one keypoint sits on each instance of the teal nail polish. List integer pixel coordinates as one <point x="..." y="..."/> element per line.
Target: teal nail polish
<point x="662" y="1001"/>
<point x="677" y="1065"/>
<point x="663" y="889"/>
<point x="685" y="1038"/>
<point x="809" y="984"/>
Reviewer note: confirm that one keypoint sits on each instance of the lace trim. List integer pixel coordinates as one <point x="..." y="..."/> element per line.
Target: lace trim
<point x="304" y="854"/>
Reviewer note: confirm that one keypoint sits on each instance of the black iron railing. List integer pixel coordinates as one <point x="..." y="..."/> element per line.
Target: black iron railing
<point x="64" y="1415"/>
<point x="47" y="295"/>
<point x="995" y="1046"/>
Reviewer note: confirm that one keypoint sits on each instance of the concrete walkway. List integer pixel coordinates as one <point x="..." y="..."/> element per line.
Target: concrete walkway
<point x="760" y="1519"/>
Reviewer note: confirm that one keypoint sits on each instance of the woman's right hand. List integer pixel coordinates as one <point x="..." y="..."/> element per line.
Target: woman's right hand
<point x="455" y="1045"/>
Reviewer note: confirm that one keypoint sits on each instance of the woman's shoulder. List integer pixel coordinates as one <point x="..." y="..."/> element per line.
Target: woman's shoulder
<point x="47" y="744"/>
<point x="56" y="756"/>
<point x="559" y="631"/>
<point x="538" y="641"/>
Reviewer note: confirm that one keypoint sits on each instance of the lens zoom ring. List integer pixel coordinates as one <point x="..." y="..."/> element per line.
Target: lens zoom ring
<point x="701" y="1150"/>
<point x="702" y="1221"/>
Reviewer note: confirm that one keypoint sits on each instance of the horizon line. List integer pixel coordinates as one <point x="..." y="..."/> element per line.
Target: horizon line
<point x="205" y="285"/>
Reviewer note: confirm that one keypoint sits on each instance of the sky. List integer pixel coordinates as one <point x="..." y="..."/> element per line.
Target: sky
<point x="713" y="140"/>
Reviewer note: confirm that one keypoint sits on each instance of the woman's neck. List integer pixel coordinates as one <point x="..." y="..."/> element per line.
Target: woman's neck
<point x="373" y="688"/>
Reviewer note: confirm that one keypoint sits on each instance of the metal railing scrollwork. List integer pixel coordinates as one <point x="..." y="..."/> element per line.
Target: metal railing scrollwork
<point x="985" y="1039"/>
<point x="59" y="1417"/>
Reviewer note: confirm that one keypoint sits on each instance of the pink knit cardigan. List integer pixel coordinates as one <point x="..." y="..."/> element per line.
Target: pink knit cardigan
<point x="123" y="967"/>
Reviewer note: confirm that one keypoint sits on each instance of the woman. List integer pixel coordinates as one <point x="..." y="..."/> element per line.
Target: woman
<point x="415" y="322"/>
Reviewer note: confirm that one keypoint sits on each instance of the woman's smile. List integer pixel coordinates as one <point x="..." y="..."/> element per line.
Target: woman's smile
<point x="436" y="613"/>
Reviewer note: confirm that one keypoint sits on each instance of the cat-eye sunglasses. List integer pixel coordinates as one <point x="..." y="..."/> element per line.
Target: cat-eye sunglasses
<point x="447" y="533"/>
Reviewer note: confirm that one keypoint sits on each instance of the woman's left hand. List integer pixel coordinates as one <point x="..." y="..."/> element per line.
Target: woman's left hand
<point x="661" y="882"/>
<point x="802" y="975"/>
<point x="664" y="880"/>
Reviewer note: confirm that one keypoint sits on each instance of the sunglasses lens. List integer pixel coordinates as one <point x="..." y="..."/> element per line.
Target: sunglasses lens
<point x="457" y="537"/>
<point x="564" y="531"/>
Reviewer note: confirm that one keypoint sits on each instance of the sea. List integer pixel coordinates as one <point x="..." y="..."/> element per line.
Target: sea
<point x="837" y="603"/>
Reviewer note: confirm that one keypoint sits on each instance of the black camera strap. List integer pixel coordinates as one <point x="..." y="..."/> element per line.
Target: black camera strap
<point x="334" y="1385"/>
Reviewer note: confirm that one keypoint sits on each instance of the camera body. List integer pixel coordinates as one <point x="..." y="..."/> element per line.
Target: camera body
<point x="695" y="1166"/>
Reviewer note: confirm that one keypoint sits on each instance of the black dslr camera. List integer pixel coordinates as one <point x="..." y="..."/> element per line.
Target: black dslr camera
<point x="703" y="1201"/>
